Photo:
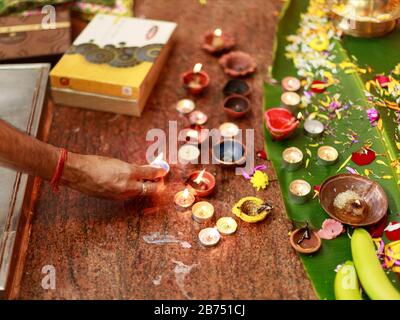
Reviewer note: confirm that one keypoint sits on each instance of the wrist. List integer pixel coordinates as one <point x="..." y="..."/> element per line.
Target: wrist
<point x="74" y="169"/>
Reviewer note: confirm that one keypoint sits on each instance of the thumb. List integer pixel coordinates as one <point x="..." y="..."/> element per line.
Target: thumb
<point x="149" y="172"/>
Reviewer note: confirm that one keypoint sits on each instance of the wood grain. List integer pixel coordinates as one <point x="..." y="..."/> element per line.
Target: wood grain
<point x="97" y="246"/>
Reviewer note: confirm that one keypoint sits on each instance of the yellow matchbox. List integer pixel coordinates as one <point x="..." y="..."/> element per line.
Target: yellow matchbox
<point x="113" y="64"/>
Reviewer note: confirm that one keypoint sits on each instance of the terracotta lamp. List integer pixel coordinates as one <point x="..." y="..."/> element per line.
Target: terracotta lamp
<point x="238" y="64"/>
<point x="196" y="80"/>
<point x="305" y="241"/>
<point x="217" y="41"/>
<point x="201" y="182"/>
<point x="280" y="123"/>
<point x="236" y="106"/>
<point x="237" y="86"/>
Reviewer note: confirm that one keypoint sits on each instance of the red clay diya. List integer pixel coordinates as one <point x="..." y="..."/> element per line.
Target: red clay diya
<point x="238" y="64"/>
<point x="217" y="41"/>
<point x="195" y="81"/>
<point x="194" y="134"/>
<point x="236" y="106"/>
<point x="201" y="182"/>
<point x="237" y="86"/>
<point x="280" y="123"/>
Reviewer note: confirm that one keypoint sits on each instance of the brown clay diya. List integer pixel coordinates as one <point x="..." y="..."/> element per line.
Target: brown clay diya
<point x="238" y="64"/>
<point x="217" y="41"/>
<point x="353" y="200"/>
<point x="305" y="241"/>
<point x="237" y="86"/>
<point x="236" y="106"/>
<point x="201" y="182"/>
<point x="229" y="152"/>
<point x="195" y="134"/>
<point x="196" y="80"/>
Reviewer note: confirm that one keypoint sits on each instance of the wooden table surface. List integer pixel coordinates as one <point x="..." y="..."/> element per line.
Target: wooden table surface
<point x="97" y="246"/>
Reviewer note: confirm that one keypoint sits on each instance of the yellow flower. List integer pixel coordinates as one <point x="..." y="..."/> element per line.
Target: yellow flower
<point x="319" y="44"/>
<point x="259" y="180"/>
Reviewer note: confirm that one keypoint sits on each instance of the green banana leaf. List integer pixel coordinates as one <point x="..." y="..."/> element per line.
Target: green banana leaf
<point x="382" y="55"/>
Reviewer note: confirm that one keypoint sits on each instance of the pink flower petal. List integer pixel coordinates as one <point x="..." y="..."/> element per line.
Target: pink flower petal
<point x="330" y="229"/>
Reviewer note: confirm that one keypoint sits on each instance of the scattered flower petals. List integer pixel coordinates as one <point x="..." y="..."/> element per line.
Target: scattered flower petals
<point x="331" y="229"/>
<point x="260" y="180"/>
<point x="376" y="230"/>
<point x="373" y="116"/>
<point x="318" y="86"/>
<point x="262" y="155"/>
<point x="392" y="231"/>
<point x="363" y="157"/>
<point x="382" y="80"/>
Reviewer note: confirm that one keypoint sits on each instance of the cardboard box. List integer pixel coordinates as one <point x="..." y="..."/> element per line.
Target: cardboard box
<point x="113" y="64"/>
<point x="24" y="36"/>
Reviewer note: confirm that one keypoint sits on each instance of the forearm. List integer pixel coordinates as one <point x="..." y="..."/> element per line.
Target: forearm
<point x="24" y="153"/>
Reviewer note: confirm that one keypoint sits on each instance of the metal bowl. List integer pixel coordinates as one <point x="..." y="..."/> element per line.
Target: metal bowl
<point x="365" y="18"/>
<point x="229" y="152"/>
<point x="372" y="194"/>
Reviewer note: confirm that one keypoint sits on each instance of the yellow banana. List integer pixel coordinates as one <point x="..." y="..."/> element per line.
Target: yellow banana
<point x="372" y="277"/>
<point x="346" y="283"/>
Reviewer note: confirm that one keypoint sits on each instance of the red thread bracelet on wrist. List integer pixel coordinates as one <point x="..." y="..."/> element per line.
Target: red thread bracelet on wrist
<point x="55" y="180"/>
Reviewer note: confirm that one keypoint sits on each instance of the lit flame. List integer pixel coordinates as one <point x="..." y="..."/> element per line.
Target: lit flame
<point x="199" y="178"/>
<point x="217" y="32"/>
<point x="158" y="159"/>
<point x="197" y="67"/>
<point x="185" y="193"/>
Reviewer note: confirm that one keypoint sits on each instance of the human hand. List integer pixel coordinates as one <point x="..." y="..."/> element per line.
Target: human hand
<point x="111" y="178"/>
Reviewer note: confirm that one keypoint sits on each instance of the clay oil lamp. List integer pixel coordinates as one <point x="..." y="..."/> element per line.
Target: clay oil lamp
<point x="202" y="183"/>
<point x="209" y="237"/>
<point x="198" y="117"/>
<point x="217" y="41"/>
<point x="229" y="152"/>
<point x="196" y="80"/>
<point x="299" y="191"/>
<point x="305" y="241"/>
<point x="292" y="159"/>
<point x="202" y="211"/>
<point x="353" y="200"/>
<point x="313" y="128"/>
<point x="327" y="155"/>
<point x="226" y="226"/>
<point x="228" y="130"/>
<point x="291" y="84"/>
<point x="194" y="134"/>
<point x="184" y="199"/>
<point x="236" y="86"/>
<point x="238" y="64"/>
<point x="280" y="123"/>
<point x="236" y="106"/>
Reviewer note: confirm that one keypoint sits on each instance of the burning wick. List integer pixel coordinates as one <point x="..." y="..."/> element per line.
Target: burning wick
<point x="218" y="32"/>
<point x="197" y="67"/>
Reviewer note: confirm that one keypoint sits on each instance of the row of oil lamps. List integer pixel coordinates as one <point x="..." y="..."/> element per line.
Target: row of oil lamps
<point x="281" y="123"/>
<point x="202" y="183"/>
